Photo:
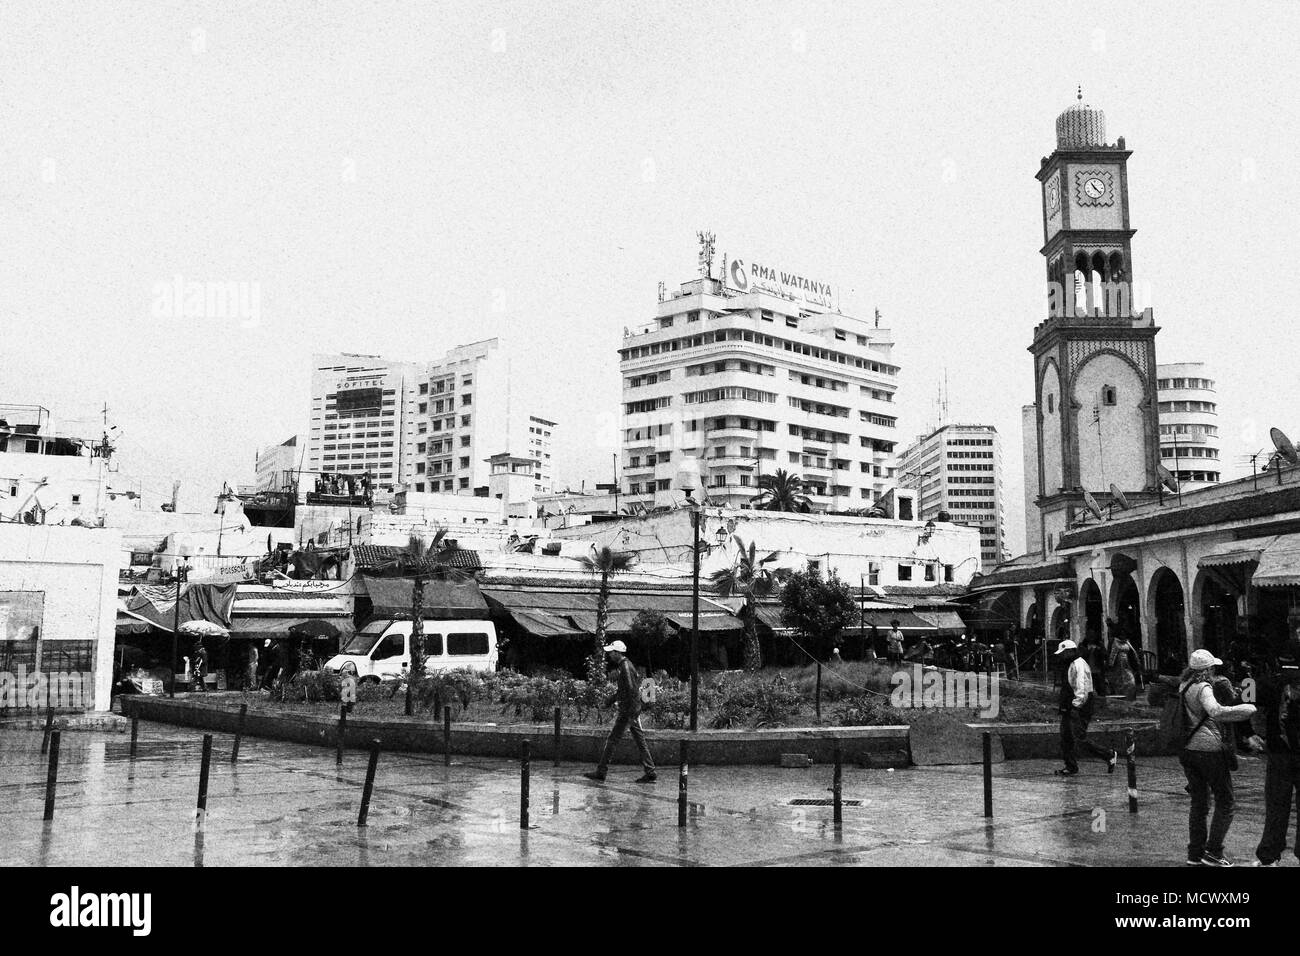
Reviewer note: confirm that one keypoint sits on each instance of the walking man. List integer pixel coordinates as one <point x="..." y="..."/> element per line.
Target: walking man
<point x="628" y="696"/>
<point x="1076" y="713"/>
<point x="1279" y="704"/>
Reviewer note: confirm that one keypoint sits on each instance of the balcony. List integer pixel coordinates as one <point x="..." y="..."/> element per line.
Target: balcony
<point x="730" y="461"/>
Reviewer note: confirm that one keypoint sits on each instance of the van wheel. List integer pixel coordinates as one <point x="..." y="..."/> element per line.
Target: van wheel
<point x="369" y="679"/>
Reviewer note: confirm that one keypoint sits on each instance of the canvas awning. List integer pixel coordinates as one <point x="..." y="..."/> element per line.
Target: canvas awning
<point x="1279" y="564"/>
<point x="254" y="626"/>
<point x="128" y="623"/>
<point x="907" y="620"/>
<point x="449" y="594"/>
<point x="1235" y="553"/>
<point x="199" y="602"/>
<point x="544" y="624"/>
<point x="945" y="622"/>
<point x="620" y="621"/>
<point x="712" y="622"/>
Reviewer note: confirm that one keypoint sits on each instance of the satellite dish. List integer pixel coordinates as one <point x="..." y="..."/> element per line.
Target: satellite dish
<point x="1284" y="446"/>
<point x="1118" y="497"/>
<point x="1167" y="478"/>
<point x="1095" y="508"/>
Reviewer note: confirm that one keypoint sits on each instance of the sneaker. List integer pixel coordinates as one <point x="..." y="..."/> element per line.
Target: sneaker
<point x="1214" y="859"/>
<point x="647" y="778"/>
<point x="1193" y="861"/>
<point x="595" y="775"/>
<point x="1262" y="863"/>
<point x="1114" y="759"/>
<point x="1066" y="772"/>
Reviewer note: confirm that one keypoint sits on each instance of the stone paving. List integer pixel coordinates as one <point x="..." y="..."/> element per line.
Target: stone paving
<point x="285" y="804"/>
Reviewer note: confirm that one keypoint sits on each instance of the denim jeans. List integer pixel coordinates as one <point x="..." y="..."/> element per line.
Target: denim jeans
<point x="622" y="723"/>
<point x="1281" y="780"/>
<point x="1207" y="773"/>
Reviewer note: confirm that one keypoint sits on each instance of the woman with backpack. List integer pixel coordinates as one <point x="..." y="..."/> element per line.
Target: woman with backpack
<point x="1206" y="758"/>
<point x="1124" y="668"/>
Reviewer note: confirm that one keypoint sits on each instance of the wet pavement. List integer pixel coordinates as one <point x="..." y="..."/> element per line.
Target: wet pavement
<point x="286" y="804"/>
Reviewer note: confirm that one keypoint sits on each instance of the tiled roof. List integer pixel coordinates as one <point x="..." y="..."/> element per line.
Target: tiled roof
<point x="377" y="555"/>
<point x="1172" y="518"/>
<point x="1029" y="575"/>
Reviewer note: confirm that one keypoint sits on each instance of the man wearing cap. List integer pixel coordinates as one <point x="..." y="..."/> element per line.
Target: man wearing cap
<point x="1279" y="704"/>
<point x="628" y="696"/>
<point x="1076" y="712"/>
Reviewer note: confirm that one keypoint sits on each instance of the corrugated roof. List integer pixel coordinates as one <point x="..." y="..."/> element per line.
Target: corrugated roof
<point x="1035" y="574"/>
<point x="369" y="556"/>
<point x="1267" y="501"/>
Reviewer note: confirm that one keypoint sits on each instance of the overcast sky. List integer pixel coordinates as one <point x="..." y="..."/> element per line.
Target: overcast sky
<point x="397" y="178"/>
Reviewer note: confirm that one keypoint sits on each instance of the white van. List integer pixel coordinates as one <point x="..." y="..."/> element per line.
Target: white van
<point x="382" y="649"/>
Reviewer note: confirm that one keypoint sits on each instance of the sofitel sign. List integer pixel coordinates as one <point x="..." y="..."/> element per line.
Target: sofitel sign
<point x="746" y="276"/>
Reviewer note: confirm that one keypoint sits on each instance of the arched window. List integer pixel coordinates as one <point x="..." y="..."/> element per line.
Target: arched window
<point x="1051" y="404"/>
<point x="1108" y="396"/>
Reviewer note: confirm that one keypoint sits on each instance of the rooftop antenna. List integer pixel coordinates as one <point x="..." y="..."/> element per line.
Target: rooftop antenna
<point x="1254" y="475"/>
<point x="1168" y="483"/>
<point x="1284" y="448"/>
<point x="877" y="318"/>
<point x="1118" y="497"/>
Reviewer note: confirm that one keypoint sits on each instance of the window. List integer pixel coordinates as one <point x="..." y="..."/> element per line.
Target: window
<point x="464" y="461"/>
<point x="904" y="572"/>
<point x="1051" y="404"/>
<point x="947" y="573"/>
<point x="464" y="482"/>
<point x="466" y="399"/>
<point x="394" y="645"/>
<point x="464" y="421"/>
<point x="433" y="645"/>
<point x="873" y="572"/>
<point x="929" y="572"/>
<point x="464" y="441"/>
<point x="1108" y="396"/>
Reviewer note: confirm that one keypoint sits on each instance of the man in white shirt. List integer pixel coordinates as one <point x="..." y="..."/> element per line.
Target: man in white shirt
<point x="1076" y="712"/>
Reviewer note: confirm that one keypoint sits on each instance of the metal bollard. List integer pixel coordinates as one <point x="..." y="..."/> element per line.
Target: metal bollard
<point x="837" y="786"/>
<point x="682" y="787"/>
<point x="370" y="783"/>
<point x="819" y="690"/>
<point x="1130" y="751"/>
<point x="557" y="736"/>
<point x="49" y="726"/>
<point x="988" y="775"/>
<point x="52" y="776"/>
<point x="343" y="729"/>
<point x="135" y="733"/>
<point x="239" y="732"/>
<point x="446" y="736"/>
<point x="201" y="810"/>
<point x="523" y="785"/>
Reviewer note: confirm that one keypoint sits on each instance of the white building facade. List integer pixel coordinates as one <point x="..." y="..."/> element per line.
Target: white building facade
<point x="277" y="464"/>
<point x="958" y="469"/>
<point x="752" y="379"/>
<point x="1189" y="423"/>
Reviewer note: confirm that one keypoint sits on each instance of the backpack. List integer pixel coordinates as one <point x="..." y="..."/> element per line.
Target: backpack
<point x="1176" y="728"/>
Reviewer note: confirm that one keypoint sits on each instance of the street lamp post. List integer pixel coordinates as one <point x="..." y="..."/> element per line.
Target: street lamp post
<point x="182" y="572"/>
<point x="688" y="480"/>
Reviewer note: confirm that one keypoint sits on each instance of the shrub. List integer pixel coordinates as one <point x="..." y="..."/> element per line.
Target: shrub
<point x="748" y="702"/>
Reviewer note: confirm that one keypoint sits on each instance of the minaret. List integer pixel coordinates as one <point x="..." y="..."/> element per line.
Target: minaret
<point x="1094" y="357"/>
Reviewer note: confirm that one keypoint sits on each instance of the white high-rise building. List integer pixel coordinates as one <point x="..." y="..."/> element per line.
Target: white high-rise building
<point x="958" y="469"/>
<point x="753" y="375"/>
<point x="427" y="426"/>
<point x="277" y="465"/>
<point x="1189" y="423"/>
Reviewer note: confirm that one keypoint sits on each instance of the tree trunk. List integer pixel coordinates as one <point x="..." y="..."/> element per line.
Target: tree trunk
<point x="753" y="651"/>
<point x="416" y="670"/>
<point x="596" y="664"/>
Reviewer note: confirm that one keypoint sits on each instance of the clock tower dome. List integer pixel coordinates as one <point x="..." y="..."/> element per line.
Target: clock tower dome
<point x="1094" y="356"/>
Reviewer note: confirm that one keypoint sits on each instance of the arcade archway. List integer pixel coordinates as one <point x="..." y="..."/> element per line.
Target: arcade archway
<point x="1093" y="614"/>
<point x="1218" y="606"/>
<point x="1127" y="605"/>
<point x="1168" y="608"/>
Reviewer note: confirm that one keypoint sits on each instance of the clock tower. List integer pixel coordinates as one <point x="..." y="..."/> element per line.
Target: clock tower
<point x="1094" y="356"/>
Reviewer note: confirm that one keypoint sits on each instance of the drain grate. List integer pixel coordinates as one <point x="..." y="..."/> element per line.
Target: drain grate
<point x="821" y="802"/>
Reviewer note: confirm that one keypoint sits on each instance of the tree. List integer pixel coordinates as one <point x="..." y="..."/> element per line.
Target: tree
<point x="604" y="561"/>
<point x="416" y="561"/>
<point x="649" y="630"/>
<point x="818" y="609"/>
<point x="748" y="577"/>
<point x="782" y="492"/>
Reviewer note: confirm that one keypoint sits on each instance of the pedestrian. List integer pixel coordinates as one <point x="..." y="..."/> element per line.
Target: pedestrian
<point x="1075" y="705"/>
<point x="1094" y="652"/>
<point x="835" y="657"/>
<point x="274" y="664"/>
<point x="894" y="643"/>
<point x="251" y="679"/>
<point x="1206" y="760"/>
<point x="1125" y="670"/>
<point x="1279" y="704"/>
<point x="628" y="697"/>
<point x="198" y="664"/>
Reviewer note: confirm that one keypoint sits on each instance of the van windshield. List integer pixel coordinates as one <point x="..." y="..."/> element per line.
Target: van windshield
<point x="365" y="639"/>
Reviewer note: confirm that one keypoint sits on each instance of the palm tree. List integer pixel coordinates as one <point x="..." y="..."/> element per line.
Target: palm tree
<point x="416" y="561"/>
<point x="782" y="492"/>
<point x="748" y="577"/>
<point x="604" y="561"/>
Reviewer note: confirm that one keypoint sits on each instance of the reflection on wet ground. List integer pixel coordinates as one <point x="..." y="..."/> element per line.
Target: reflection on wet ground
<point x="286" y="804"/>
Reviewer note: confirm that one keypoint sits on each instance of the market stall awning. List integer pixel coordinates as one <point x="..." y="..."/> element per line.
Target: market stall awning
<point x="907" y="620"/>
<point x="253" y="626"/>
<point x="770" y="614"/>
<point x="199" y="602"/>
<point x="712" y="622"/>
<point x="1234" y="553"/>
<point x="128" y="623"/>
<point x="620" y="621"/>
<point x="544" y="624"/>
<point x="945" y="622"/>
<point x="1279" y="564"/>
<point x="448" y="594"/>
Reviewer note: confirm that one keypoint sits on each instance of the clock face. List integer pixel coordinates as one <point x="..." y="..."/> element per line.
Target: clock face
<point x="1094" y="187"/>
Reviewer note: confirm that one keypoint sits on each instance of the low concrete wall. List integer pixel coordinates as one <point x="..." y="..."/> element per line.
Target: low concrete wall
<point x="869" y="746"/>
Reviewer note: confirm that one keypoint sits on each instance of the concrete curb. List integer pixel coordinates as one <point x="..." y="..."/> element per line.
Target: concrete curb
<point x="112" y="723"/>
